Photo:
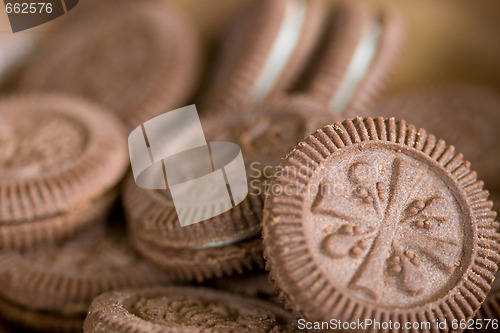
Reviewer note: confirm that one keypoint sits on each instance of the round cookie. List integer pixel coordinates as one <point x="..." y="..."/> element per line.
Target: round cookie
<point x="225" y="243"/>
<point x="184" y="309"/>
<point x="377" y="219"/>
<point x="464" y="115"/>
<point x="347" y="69"/>
<point x="51" y="287"/>
<point x="60" y="160"/>
<point x="264" y="51"/>
<point x="137" y="58"/>
<point x="356" y="57"/>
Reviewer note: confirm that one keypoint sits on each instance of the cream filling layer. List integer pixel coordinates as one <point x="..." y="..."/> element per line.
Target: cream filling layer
<point x="284" y="46"/>
<point x="358" y="67"/>
<point x="229" y="241"/>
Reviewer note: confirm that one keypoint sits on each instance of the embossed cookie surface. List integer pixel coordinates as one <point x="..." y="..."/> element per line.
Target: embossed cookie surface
<point x="183" y="309"/>
<point x="374" y="218"/>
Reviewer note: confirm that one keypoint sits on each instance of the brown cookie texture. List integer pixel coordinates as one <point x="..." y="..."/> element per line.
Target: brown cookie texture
<point x="265" y="132"/>
<point x="38" y="321"/>
<point x="357" y="55"/>
<point x="62" y="279"/>
<point x="464" y="115"/>
<point x="249" y="44"/>
<point x="200" y="264"/>
<point x="377" y="219"/>
<point x="58" y="156"/>
<point x="489" y="313"/>
<point x="139" y="58"/>
<point x="184" y="309"/>
<point x="58" y="227"/>
<point x="255" y="284"/>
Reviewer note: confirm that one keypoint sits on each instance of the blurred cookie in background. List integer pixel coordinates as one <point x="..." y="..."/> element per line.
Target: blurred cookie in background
<point x="61" y="159"/>
<point x="263" y="51"/>
<point x="254" y="284"/>
<point x="465" y="115"/>
<point x="49" y="288"/>
<point x="343" y="63"/>
<point x="356" y="57"/>
<point x="138" y="58"/>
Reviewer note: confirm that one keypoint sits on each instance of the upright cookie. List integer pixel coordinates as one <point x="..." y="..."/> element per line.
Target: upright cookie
<point x="139" y="58"/>
<point x="346" y="70"/>
<point x="376" y="219"/>
<point x="464" y="115"/>
<point x="356" y="57"/>
<point x="228" y="242"/>
<point x="60" y="160"/>
<point x="50" y="288"/>
<point x="183" y="309"/>
<point x="265" y="50"/>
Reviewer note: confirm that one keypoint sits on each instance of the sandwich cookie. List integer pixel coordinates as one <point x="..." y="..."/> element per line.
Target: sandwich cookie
<point x="49" y="288"/>
<point x="183" y="309"/>
<point x="377" y="219"/>
<point x="465" y="115"/>
<point x="229" y="242"/>
<point x="137" y="58"/>
<point x="266" y="48"/>
<point x="356" y="57"/>
<point x="60" y="161"/>
<point x="351" y="62"/>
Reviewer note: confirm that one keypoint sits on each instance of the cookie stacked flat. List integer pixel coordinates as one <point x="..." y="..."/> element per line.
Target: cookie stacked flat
<point x="63" y="155"/>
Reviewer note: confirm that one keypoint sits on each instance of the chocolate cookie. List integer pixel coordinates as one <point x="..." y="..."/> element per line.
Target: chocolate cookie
<point x="265" y="50"/>
<point x="51" y="287"/>
<point x="347" y="70"/>
<point x="227" y="242"/>
<point x="183" y="309"/>
<point x="137" y="58"/>
<point x="464" y="115"/>
<point x="356" y="57"/>
<point x="377" y="219"/>
<point x="60" y="160"/>
<point x="488" y="316"/>
<point x="255" y="284"/>
<point x="489" y="313"/>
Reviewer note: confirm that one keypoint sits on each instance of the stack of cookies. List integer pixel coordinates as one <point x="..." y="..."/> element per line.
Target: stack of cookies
<point x="63" y="155"/>
<point x="362" y="214"/>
